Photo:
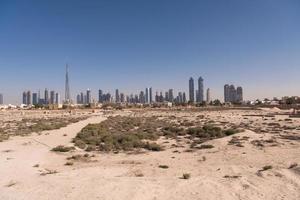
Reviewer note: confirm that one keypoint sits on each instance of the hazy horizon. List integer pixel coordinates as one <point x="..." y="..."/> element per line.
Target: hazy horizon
<point x="160" y="44"/>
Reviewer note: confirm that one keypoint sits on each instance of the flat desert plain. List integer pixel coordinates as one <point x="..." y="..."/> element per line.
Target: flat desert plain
<point x="149" y="154"/>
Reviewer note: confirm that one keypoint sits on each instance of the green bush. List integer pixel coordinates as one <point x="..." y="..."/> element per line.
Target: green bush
<point x="186" y="176"/>
<point x="62" y="148"/>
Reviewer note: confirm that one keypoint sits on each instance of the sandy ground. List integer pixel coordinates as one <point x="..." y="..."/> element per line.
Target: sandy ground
<point x="138" y="176"/>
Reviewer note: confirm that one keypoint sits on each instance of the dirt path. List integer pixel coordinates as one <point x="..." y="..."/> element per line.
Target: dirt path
<point x="19" y="154"/>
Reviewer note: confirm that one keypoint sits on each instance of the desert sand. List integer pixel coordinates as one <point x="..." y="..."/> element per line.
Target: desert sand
<point x="30" y="170"/>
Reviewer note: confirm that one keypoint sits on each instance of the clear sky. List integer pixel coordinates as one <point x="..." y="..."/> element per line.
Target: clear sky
<point x="135" y="44"/>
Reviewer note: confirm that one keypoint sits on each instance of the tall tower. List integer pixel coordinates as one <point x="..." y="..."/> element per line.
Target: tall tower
<point x="88" y="96"/>
<point x="226" y="93"/>
<point x="239" y="94"/>
<point x="1" y="99"/>
<point x="150" y="95"/>
<point x="191" y="90"/>
<point x="147" y="95"/>
<point x="67" y="87"/>
<point x="208" y="96"/>
<point x="117" y="96"/>
<point x="200" y="90"/>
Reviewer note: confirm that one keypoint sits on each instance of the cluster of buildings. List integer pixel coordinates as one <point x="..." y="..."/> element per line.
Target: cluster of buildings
<point x="84" y="98"/>
<point x="198" y="95"/>
<point x="232" y="94"/>
<point x="143" y="97"/>
<point x="146" y="96"/>
<point x="36" y="98"/>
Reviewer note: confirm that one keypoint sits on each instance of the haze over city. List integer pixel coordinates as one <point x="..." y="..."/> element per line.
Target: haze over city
<point x="131" y="45"/>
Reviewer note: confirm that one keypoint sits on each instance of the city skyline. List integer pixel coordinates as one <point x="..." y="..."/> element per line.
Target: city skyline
<point x="133" y="45"/>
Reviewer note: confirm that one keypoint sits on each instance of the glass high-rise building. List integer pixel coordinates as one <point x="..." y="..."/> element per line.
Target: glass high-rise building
<point x="208" y="95"/>
<point x="117" y="96"/>
<point x="226" y="93"/>
<point x="100" y="96"/>
<point x="46" y="96"/>
<point x="150" y="95"/>
<point x="200" y="90"/>
<point x="57" y="99"/>
<point x="52" y="97"/>
<point x="88" y="96"/>
<point x="171" y="95"/>
<point x="191" y="90"/>
<point x="147" y="95"/>
<point x="24" y="99"/>
<point x="35" y="100"/>
<point x="28" y="102"/>
<point x="239" y="94"/>
<point x="1" y="99"/>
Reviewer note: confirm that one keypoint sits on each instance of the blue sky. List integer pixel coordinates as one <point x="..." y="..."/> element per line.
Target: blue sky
<point x="135" y="44"/>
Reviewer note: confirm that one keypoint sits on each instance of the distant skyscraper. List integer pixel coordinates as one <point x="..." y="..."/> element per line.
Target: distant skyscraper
<point x="35" y="100"/>
<point x="57" y="99"/>
<point x="85" y="99"/>
<point x="67" y="87"/>
<point x="29" y="98"/>
<point x="117" y="96"/>
<point x="100" y="96"/>
<point x="180" y="98"/>
<point x="150" y="95"/>
<point x="232" y="94"/>
<point x="1" y="99"/>
<point x="82" y="98"/>
<point x="52" y="97"/>
<point x="88" y="96"/>
<point x="161" y="98"/>
<point x="142" y="98"/>
<point x="226" y="93"/>
<point x="184" y="97"/>
<point x="239" y="94"/>
<point x="39" y="97"/>
<point x="147" y="95"/>
<point x="208" y="95"/>
<point x="46" y="96"/>
<point x="171" y="95"/>
<point x="24" y="100"/>
<point x="78" y="99"/>
<point x="122" y="97"/>
<point x="166" y="96"/>
<point x="156" y="97"/>
<point x="191" y="90"/>
<point x="200" y="90"/>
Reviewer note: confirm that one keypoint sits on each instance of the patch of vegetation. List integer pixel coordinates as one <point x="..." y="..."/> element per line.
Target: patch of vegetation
<point x="186" y="176"/>
<point x="81" y="144"/>
<point x="290" y="137"/>
<point x="293" y="165"/>
<point x="163" y="166"/>
<point x="62" y="148"/>
<point x="232" y="177"/>
<point x="69" y="163"/>
<point x="121" y="133"/>
<point x="267" y="167"/>
<point x="206" y="146"/>
<point x="129" y="133"/>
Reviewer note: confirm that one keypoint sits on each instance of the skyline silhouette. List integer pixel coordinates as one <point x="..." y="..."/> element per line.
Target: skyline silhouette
<point x="133" y="45"/>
